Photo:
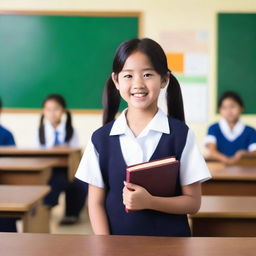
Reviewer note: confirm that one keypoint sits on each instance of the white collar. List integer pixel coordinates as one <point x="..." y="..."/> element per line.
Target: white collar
<point x="231" y="134"/>
<point x="158" y="123"/>
<point x="60" y="128"/>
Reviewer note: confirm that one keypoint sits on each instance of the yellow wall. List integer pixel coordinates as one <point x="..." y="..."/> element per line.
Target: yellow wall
<point x="158" y="15"/>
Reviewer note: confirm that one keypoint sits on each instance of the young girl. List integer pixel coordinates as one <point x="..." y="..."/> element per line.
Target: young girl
<point x="230" y="139"/>
<point x="141" y="133"/>
<point x="55" y="131"/>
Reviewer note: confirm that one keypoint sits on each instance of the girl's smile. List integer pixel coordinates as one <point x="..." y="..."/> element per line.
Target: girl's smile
<point x="138" y="82"/>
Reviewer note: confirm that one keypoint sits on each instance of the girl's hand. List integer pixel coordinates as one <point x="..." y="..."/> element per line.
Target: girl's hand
<point x="236" y="158"/>
<point x="136" y="197"/>
<point x="239" y="154"/>
<point x="232" y="160"/>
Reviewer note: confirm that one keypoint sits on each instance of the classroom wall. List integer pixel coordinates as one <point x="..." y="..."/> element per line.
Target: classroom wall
<point x="160" y="15"/>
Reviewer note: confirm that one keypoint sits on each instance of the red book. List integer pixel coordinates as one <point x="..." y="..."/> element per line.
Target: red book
<point x="158" y="177"/>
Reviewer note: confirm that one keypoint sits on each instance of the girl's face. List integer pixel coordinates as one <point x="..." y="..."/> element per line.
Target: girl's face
<point x="138" y="83"/>
<point x="230" y="110"/>
<point x="53" y="112"/>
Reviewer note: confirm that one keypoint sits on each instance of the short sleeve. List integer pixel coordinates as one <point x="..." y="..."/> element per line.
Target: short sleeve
<point x="252" y="141"/>
<point x="89" y="168"/>
<point x="193" y="167"/>
<point x="211" y="136"/>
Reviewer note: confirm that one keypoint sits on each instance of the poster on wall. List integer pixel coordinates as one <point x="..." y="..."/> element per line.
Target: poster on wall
<point x="188" y="58"/>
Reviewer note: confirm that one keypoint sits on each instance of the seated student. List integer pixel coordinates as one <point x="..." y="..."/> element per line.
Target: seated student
<point x="230" y="139"/>
<point x="54" y="131"/>
<point x="6" y="139"/>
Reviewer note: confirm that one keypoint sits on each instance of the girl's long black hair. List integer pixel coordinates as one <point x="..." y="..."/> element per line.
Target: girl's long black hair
<point x="69" y="128"/>
<point x="111" y="96"/>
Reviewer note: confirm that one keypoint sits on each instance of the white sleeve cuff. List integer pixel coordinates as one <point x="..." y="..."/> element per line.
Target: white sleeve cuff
<point x="252" y="147"/>
<point x="210" y="139"/>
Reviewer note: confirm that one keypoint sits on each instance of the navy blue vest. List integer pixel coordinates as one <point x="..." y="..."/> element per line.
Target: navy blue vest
<point x="113" y="168"/>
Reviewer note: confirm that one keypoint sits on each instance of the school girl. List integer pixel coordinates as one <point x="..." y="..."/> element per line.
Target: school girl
<point x="56" y="130"/>
<point x="142" y="132"/>
<point x="230" y="139"/>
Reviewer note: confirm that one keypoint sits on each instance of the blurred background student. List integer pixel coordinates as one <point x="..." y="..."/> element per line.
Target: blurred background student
<point x="56" y="130"/>
<point x="6" y="139"/>
<point x="230" y="139"/>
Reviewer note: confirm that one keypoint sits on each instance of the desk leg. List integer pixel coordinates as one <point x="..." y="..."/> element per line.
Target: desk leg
<point x="73" y="162"/>
<point x="37" y="219"/>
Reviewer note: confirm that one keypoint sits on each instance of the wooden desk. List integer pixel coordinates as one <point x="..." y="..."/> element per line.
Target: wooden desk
<point x="244" y="161"/>
<point x="230" y="180"/>
<point x="225" y="216"/>
<point x="67" y="157"/>
<point x="25" y="170"/>
<point x="25" y="202"/>
<point x="82" y="245"/>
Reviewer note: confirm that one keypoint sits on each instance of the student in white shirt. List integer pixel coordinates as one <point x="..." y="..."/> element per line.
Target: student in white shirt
<point x="56" y="130"/>
<point x="230" y="139"/>
<point x="141" y="133"/>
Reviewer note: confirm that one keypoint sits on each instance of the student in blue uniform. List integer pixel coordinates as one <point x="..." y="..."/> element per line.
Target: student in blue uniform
<point x="56" y="130"/>
<point x="230" y="139"/>
<point x="141" y="133"/>
<point x="6" y="139"/>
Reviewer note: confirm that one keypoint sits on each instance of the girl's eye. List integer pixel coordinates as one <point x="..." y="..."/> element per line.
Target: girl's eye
<point x="148" y="75"/>
<point x="127" y="76"/>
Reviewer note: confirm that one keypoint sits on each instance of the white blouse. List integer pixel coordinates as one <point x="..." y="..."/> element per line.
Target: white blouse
<point x="140" y="149"/>
<point x="50" y="136"/>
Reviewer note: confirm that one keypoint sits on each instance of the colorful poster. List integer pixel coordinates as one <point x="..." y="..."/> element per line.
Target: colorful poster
<point x="188" y="59"/>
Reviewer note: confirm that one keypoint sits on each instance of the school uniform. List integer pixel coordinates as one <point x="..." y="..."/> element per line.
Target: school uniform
<point x="229" y="141"/>
<point x="7" y="139"/>
<point x="76" y="191"/>
<point x="113" y="147"/>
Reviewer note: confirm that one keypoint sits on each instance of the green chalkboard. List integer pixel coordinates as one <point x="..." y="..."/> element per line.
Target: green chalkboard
<point x="237" y="56"/>
<point x="70" y="55"/>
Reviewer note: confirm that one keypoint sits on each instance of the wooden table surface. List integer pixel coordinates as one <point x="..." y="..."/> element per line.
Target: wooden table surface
<point x="25" y="202"/>
<point x="249" y="160"/>
<point x="227" y="207"/>
<point x="230" y="180"/>
<point x="82" y="245"/>
<point x="225" y="216"/>
<point x="25" y="163"/>
<point x="26" y="170"/>
<point x="33" y="151"/>
<point x="20" y="198"/>
<point x="65" y="156"/>
<point x="221" y="172"/>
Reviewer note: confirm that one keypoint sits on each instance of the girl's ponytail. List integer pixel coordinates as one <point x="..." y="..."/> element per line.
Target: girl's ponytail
<point x="69" y="127"/>
<point x="41" y="131"/>
<point x="111" y="101"/>
<point x="174" y="99"/>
